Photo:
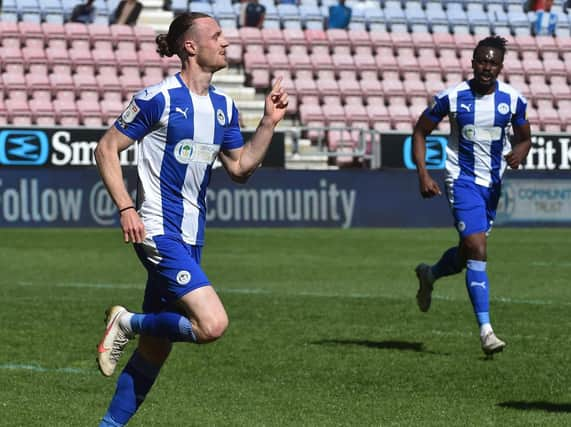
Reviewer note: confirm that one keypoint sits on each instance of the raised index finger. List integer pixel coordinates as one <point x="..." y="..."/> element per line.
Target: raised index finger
<point x="277" y="84"/>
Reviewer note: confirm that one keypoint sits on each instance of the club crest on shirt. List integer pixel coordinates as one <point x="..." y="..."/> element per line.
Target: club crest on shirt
<point x="183" y="151"/>
<point x="183" y="277"/>
<point x="129" y="114"/>
<point x="220" y="117"/>
<point x="503" y="108"/>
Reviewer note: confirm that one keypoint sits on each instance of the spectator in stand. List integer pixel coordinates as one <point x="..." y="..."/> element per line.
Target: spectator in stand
<point x="83" y="13"/>
<point x="252" y="14"/>
<point x="126" y="13"/>
<point x="545" y="20"/>
<point x="339" y="15"/>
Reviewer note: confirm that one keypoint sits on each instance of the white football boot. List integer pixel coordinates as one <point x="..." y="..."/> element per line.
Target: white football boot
<point x="113" y="342"/>
<point x="491" y="343"/>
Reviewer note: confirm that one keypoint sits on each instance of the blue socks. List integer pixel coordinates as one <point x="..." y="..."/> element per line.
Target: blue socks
<point x="132" y="387"/>
<point x="448" y="264"/>
<point x="173" y="326"/>
<point x="478" y="288"/>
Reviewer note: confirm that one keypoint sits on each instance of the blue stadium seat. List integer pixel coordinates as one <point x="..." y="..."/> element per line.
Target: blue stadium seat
<point x="179" y="6"/>
<point x="436" y="17"/>
<point x="457" y="18"/>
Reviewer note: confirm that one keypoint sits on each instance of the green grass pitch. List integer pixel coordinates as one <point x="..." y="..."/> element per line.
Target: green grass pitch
<point x="324" y="331"/>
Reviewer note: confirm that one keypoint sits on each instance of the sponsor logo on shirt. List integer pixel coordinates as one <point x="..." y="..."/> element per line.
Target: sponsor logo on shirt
<point x="129" y="114"/>
<point x="187" y="151"/>
<point x="220" y="117"/>
<point x="503" y="108"/>
<point x="183" y="277"/>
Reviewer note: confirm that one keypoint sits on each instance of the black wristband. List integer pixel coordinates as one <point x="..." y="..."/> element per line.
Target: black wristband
<point x="127" y="208"/>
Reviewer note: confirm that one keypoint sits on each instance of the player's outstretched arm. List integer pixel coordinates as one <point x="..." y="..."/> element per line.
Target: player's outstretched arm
<point x="107" y="157"/>
<point x="242" y="162"/>
<point x="427" y="186"/>
<point x="521" y="146"/>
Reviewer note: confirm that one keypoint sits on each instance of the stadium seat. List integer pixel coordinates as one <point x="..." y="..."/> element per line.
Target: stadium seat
<point x="12" y="60"/>
<point x="18" y="111"/>
<point x="350" y="90"/>
<point x="300" y="61"/>
<point x="272" y="37"/>
<point x="321" y="62"/>
<point x="294" y="37"/>
<point x="360" y="39"/>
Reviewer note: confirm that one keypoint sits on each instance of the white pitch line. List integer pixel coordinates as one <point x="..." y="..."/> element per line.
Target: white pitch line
<point x="262" y="291"/>
<point x="37" y="368"/>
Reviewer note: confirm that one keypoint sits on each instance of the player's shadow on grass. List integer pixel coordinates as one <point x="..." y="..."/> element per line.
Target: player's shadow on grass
<point x="537" y="406"/>
<point x="384" y="345"/>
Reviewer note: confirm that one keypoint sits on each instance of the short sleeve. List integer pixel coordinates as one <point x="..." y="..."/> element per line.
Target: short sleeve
<point x="233" y="136"/>
<point x="438" y="109"/>
<point x="519" y="118"/>
<point x="141" y="116"/>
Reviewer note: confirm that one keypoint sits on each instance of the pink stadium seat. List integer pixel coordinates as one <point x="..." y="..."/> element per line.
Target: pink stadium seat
<point x="434" y="86"/>
<point x="277" y="48"/>
<point x="108" y="83"/>
<point x="555" y="67"/>
<point x="82" y="61"/>
<point x="277" y="62"/>
<point x="42" y="111"/>
<point x="334" y="113"/>
<point x="123" y="34"/>
<point x="58" y="56"/>
<point x="251" y="36"/>
<point x="18" y="111"/>
<point x="30" y="30"/>
<point x="294" y="37"/>
<point x="338" y="37"/>
<point x="271" y="37"/>
<point x="37" y="82"/>
<point x="234" y="53"/>
<point x="89" y="95"/>
<point x="407" y="62"/>
<point x="9" y="29"/>
<point x="414" y="87"/>
<point x="549" y="119"/>
<point x="386" y="63"/>
<point x="443" y="40"/>
<point x="299" y="61"/>
<point x="90" y="112"/>
<point x="378" y="113"/>
<point x="321" y="61"/>
<point x="104" y="58"/>
<point x="130" y="84"/>
<point x="427" y="60"/>
<point x="380" y="39"/>
<point x="533" y="66"/>
<point x="66" y="112"/>
<point x="12" y="60"/>
<point x="53" y="32"/>
<point x="392" y="87"/>
<point x="364" y="63"/>
<point x="512" y="65"/>
<point x="356" y="113"/>
<point x="311" y="113"/>
<point x="99" y="32"/>
<point x="560" y="90"/>
<point x="464" y="42"/>
<point x="306" y="87"/>
<point x="563" y="44"/>
<point x="316" y="38"/>
<point x="327" y="88"/>
<point x="12" y="41"/>
<point x="75" y="31"/>
<point x="370" y="88"/>
<point x="401" y="40"/>
<point x="254" y="61"/>
<point x="539" y="89"/>
<point x="360" y="39"/>
<point x="144" y="34"/>
<point x="149" y="58"/>
<point x="110" y="110"/>
<point x="421" y="40"/>
<point x="546" y="44"/>
<point x="525" y="43"/>
<point x="82" y="82"/>
<point x="349" y="88"/>
<point x="232" y="35"/>
<point x="61" y="82"/>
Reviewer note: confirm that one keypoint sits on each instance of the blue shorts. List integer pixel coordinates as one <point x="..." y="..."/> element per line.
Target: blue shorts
<point x="473" y="206"/>
<point x="173" y="268"/>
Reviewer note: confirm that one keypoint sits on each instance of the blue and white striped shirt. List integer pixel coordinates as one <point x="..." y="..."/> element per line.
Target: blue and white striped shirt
<point x="479" y="130"/>
<point x="180" y="134"/>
